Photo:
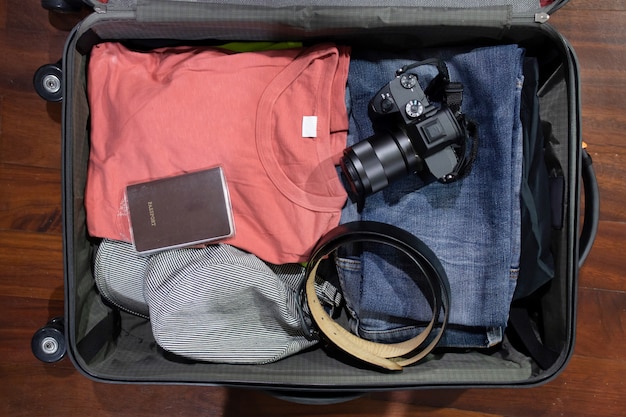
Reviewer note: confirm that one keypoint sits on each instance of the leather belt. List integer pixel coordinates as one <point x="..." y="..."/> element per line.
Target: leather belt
<point x="391" y="356"/>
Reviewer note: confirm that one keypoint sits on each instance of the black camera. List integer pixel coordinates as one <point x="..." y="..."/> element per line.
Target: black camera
<point x="412" y="135"/>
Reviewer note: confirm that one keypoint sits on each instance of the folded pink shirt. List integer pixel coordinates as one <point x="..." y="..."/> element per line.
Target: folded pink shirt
<point x="276" y="121"/>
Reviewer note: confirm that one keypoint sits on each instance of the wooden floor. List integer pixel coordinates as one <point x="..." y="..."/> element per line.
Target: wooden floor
<point x="31" y="284"/>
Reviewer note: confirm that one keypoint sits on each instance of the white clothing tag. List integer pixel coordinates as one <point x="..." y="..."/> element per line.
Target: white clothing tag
<point x="309" y="126"/>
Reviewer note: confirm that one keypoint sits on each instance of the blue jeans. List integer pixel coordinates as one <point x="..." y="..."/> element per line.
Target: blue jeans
<point x="473" y="225"/>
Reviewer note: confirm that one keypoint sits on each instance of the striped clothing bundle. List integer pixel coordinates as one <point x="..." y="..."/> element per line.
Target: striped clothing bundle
<point x="216" y="304"/>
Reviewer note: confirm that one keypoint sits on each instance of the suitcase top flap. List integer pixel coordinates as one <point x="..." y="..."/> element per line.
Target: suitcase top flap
<point x="321" y="14"/>
<point x="277" y="20"/>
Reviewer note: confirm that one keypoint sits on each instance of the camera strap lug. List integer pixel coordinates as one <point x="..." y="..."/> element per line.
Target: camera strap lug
<point x="453" y="96"/>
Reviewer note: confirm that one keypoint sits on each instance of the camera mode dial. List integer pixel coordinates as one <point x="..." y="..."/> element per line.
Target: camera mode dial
<point x="408" y="81"/>
<point x="414" y="109"/>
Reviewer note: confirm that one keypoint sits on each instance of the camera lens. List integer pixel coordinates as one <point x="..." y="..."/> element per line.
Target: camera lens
<point x="370" y="165"/>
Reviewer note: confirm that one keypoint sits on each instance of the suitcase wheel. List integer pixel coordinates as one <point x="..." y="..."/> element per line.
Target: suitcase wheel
<point x="47" y="82"/>
<point x="48" y="343"/>
<point x="62" y="6"/>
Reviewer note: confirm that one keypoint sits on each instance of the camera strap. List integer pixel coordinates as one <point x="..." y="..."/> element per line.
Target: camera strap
<point x="391" y="356"/>
<point x="442" y="90"/>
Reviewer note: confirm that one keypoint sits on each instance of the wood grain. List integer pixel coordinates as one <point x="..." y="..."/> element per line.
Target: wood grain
<point x="31" y="254"/>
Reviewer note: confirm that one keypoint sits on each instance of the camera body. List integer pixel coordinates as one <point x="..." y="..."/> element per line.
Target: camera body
<point x="412" y="135"/>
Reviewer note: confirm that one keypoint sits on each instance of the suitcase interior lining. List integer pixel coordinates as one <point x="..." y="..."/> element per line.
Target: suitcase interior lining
<point x="131" y="354"/>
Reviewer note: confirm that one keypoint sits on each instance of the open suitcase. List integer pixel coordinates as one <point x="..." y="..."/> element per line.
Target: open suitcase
<point x="110" y="345"/>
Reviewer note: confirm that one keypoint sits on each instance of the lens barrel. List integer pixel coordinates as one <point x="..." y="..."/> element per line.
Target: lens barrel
<point x="370" y="165"/>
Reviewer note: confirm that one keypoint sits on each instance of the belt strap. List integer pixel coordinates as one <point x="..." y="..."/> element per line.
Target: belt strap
<point x="388" y="356"/>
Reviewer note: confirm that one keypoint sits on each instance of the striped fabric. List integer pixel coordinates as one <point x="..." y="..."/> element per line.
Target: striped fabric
<point x="119" y="275"/>
<point x="216" y="304"/>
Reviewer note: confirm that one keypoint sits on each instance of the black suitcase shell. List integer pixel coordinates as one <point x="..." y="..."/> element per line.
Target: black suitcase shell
<point x="112" y="346"/>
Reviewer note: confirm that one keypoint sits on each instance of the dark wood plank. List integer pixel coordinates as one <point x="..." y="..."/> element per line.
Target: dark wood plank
<point x="32" y="199"/>
<point x="34" y="138"/>
<point x="239" y="403"/>
<point x="3" y="15"/>
<point x="607" y="160"/>
<point x="21" y="59"/>
<point x="600" y="332"/>
<point x="604" y="268"/>
<point x="584" y="5"/>
<point x="32" y="265"/>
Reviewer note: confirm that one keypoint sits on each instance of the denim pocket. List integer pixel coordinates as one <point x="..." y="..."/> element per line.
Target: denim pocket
<point x="387" y="304"/>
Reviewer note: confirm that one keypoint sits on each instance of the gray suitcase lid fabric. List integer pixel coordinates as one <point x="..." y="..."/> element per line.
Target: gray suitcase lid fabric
<point x="299" y="19"/>
<point x="521" y="8"/>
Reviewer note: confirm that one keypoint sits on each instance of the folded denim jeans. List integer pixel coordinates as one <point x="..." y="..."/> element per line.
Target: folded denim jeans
<point x="472" y="225"/>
